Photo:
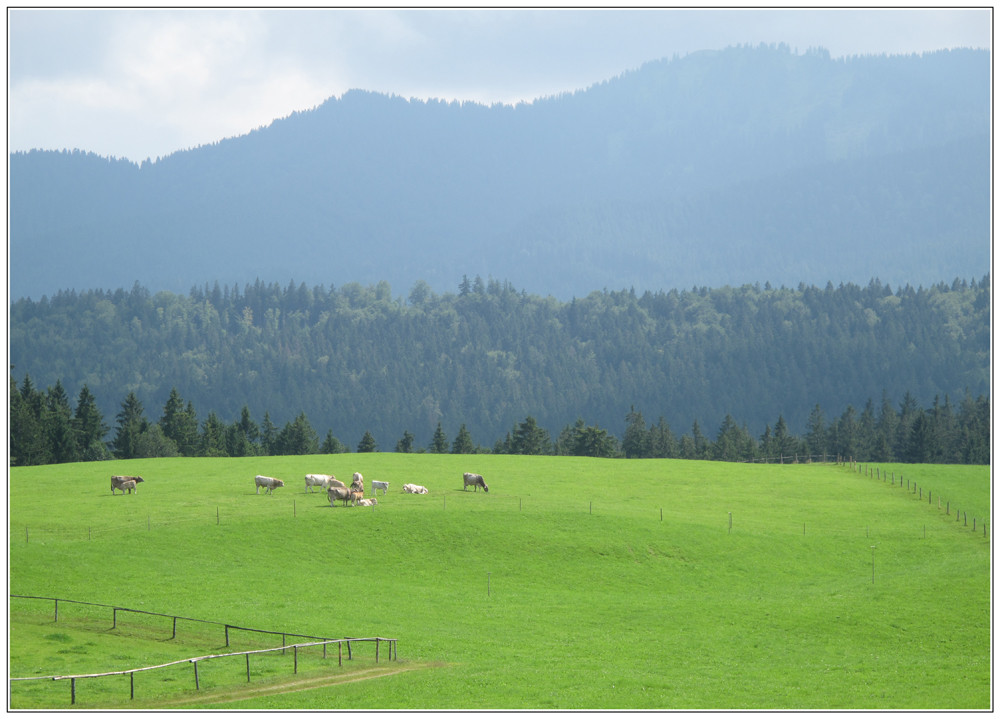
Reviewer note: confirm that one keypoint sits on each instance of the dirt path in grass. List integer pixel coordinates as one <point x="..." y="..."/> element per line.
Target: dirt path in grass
<point x="296" y="685"/>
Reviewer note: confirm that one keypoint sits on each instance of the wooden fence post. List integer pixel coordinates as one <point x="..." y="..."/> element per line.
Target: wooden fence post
<point x="56" y="618"/>
<point x="114" y="617"/>
<point x="295" y="665"/>
<point x="72" y="690"/>
<point x="196" y="676"/>
<point x="227" y="635"/>
<point x="174" y="635"/>
<point x="376" y="650"/>
<point x="247" y="655"/>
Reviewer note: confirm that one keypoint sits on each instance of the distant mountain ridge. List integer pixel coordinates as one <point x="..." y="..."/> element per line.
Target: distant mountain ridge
<point x="723" y="167"/>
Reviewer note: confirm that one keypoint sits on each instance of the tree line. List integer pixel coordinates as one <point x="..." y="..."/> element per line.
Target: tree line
<point x="357" y="358"/>
<point x="44" y="429"/>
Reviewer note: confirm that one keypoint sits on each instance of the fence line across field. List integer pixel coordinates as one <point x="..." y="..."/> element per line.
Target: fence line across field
<point x="321" y="641"/>
<point x="194" y="662"/>
<point x="284" y="635"/>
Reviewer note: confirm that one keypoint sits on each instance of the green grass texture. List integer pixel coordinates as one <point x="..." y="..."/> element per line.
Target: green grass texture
<point x="574" y="583"/>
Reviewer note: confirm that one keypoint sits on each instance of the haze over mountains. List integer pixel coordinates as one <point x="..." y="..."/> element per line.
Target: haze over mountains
<point x="745" y="165"/>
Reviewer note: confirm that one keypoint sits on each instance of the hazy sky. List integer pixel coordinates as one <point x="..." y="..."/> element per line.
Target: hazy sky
<point x="146" y="82"/>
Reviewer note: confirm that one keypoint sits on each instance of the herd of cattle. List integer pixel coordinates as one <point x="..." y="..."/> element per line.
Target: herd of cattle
<point x="335" y="489"/>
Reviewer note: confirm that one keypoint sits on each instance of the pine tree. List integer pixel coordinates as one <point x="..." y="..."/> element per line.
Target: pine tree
<point x="405" y="444"/>
<point x="594" y="442"/>
<point x="27" y="437"/>
<point x="213" y="437"/>
<point x="463" y="442"/>
<point x="297" y="437"/>
<point x="816" y="434"/>
<point x="367" y="443"/>
<point x="661" y="440"/>
<point x="636" y="441"/>
<point x="701" y="444"/>
<point x="88" y="422"/>
<point x="58" y="420"/>
<point x="332" y="445"/>
<point x="529" y="438"/>
<point x="131" y="424"/>
<point x="439" y="443"/>
<point x="729" y="443"/>
<point x="180" y="425"/>
<point x="268" y="435"/>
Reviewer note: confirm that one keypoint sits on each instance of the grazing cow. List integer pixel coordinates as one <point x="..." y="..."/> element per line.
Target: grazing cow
<point x="118" y="480"/>
<point x="371" y="502"/>
<point x="476" y="480"/>
<point x="376" y="486"/>
<point x="335" y="493"/>
<point x="268" y="483"/>
<point x="321" y="480"/>
<point x="414" y="489"/>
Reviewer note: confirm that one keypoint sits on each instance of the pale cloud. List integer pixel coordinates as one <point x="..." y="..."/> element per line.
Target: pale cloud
<point x="146" y="82"/>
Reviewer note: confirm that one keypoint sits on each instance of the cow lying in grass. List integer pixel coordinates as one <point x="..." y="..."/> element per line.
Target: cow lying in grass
<point x="414" y="489"/>
<point x="370" y="502"/>
<point x="475" y="480"/>
<point x="268" y="483"/>
<point x="322" y="480"/>
<point x="376" y="486"/>
<point x="120" y="481"/>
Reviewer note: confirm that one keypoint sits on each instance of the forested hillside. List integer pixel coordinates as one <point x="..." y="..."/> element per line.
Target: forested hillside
<point x="718" y="168"/>
<point x="356" y="359"/>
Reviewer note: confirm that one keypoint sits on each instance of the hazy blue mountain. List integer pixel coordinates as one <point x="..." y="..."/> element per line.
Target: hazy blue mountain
<point x="721" y="167"/>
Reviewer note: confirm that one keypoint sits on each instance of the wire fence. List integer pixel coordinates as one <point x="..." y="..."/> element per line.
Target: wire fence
<point x="323" y="642"/>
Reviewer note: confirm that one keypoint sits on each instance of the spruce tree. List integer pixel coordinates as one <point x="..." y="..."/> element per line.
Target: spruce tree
<point x="58" y="417"/>
<point x="463" y="442"/>
<point x="439" y="443"/>
<point x="636" y="441"/>
<point x="131" y="423"/>
<point x="367" y="443"/>
<point x="405" y="444"/>
<point x="88" y="422"/>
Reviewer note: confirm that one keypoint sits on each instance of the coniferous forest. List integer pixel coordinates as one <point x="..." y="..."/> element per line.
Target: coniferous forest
<point x="732" y="373"/>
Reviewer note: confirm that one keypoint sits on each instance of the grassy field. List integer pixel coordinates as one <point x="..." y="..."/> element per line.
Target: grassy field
<point x="574" y="584"/>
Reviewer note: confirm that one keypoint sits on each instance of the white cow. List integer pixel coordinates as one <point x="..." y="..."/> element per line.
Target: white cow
<point x="268" y="483"/>
<point x="476" y="480"/>
<point x="414" y="489"/>
<point x="322" y="480"/>
<point x="371" y="502"/>
<point x="376" y="486"/>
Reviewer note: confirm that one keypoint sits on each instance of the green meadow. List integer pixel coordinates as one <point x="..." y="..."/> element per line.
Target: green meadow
<point x="574" y="583"/>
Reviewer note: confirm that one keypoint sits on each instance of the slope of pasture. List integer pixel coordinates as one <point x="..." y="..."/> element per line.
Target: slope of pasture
<point x="560" y="588"/>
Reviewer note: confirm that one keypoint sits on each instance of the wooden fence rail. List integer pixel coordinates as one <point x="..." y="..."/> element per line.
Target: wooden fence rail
<point x="322" y="641"/>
